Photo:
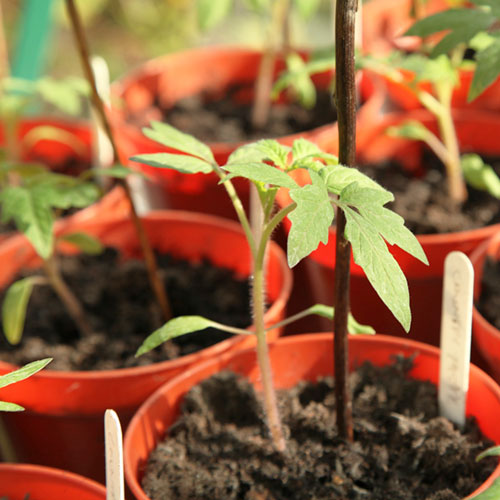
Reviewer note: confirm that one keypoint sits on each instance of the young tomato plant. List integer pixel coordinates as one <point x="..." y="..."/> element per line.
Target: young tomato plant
<point x="479" y="29"/>
<point x="268" y="165"/>
<point x="277" y="16"/>
<point x="33" y="202"/>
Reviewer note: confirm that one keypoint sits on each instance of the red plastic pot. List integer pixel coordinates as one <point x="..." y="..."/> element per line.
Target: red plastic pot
<point x="44" y="483"/>
<point x="63" y="423"/>
<point x="296" y="358"/>
<point x="486" y="336"/>
<point x="212" y="70"/>
<point x="478" y="131"/>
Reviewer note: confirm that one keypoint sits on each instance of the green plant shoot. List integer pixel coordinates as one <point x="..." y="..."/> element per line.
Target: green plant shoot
<point x="34" y="202"/>
<point x="18" y="375"/>
<point x="268" y="165"/>
<point x="478" y="28"/>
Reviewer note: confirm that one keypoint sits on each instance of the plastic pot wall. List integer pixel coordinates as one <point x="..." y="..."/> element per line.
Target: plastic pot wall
<point x="43" y="483"/>
<point x="478" y="131"/>
<point x="63" y="422"/>
<point x="486" y="336"/>
<point x="210" y="70"/>
<point x="297" y="358"/>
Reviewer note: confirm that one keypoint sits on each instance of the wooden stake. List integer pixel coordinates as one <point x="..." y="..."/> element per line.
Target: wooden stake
<point x="149" y="256"/>
<point x="345" y="98"/>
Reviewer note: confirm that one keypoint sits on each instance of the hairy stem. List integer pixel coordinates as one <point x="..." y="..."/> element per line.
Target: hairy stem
<point x="66" y="296"/>
<point x="345" y="16"/>
<point x="149" y="257"/>
<point x="264" y="83"/>
<point x="269" y="394"/>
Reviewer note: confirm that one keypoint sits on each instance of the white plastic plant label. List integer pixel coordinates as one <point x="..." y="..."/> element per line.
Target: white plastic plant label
<point x="115" y="489"/>
<point x="456" y="322"/>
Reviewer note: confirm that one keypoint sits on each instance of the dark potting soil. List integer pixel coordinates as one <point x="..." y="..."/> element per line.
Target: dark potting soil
<point x="422" y="198"/>
<point x="225" y="119"/>
<point x="219" y="448"/>
<point x="489" y="300"/>
<point x="122" y="311"/>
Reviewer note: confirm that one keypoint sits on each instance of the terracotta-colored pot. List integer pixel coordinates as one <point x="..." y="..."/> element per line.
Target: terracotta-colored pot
<point x="477" y="131"/>
<point x="297" y="358"/>
<point x="62" y="425"/>
<point x="212" y="70"/>
<point x="43" y="483"/>
<point x="486" y="336"/>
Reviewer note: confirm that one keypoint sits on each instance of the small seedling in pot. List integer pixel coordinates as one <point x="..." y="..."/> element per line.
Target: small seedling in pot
<point x="277" y="14"/>
<point x="33" y="203"/>
<point x="493" y="492"/>
<point x="474" y="27"/>
<point x="268" y="165"/>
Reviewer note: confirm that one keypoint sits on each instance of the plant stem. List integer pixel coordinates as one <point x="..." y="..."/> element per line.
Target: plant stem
<point x="345" y="86"/>
<point x="264" y="83"/>
<point x="149" y="257"/>
<point x="456" y="183"/>
<point x="269" y="394"/>
<point x="69" y="300"/>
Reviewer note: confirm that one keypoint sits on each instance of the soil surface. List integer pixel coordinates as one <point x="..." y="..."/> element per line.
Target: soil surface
<point x="422" y="199"/>
<point x="226" y="119"/>
<point x="489" y="300"/>
<point x="402" y="450"/>
<point x="122" y="311"/>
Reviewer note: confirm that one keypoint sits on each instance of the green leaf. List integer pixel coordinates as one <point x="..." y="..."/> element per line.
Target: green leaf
<point x="307" y="8"/>
<point x="328" y="312"/>
<point x="494" y="451"/>
<point x="172" y="138"/>
<point x="362" y="208"/>
<point x="32" y="215"/>
<point x="261" y="172"/>
<point x="487" y="69"/>
<point x="302" y="149"/>
<point x="172" y="329"/>
<point x="338" y="177"/>
<point x="85" y="242"/>
<point x="10" y="406"/>
<point x="211" y="13"/>
<point x="435" y="70"/>
<point x="24" y="372"/>
<point x="492" y="493"/>
<point x="311" y="220"/>
<point x="480" y="175"/>
<point x="297" y="77"/>
<point x="115" y="172"/>
<point x="410" y="129"/>
<point x="263" y="150"/>
<point x="454" y="20"/>
<point x="14" y="308"/>
<point x="356" y="328"/>
<point x="182" y="163"/>
<point x="75" y="193"/>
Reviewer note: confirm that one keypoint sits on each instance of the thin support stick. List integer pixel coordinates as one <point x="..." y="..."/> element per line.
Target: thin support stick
<point x="149" y="256"/>
<point x="345" y="17"/>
